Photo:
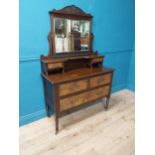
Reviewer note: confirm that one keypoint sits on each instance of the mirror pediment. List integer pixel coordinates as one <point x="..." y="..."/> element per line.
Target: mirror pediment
<point x="71" y="10"/>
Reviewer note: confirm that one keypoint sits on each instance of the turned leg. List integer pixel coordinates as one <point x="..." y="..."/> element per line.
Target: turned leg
<point x="107" y="103"/>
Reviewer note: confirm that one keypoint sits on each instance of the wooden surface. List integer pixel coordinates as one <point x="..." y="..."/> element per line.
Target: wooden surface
<point x="47" y="59"/>
<point x="97" y="60"/>
<point x="55" y="65"/>
<point x="90" y="131"/>
<point x="100" y="80"/>
<point x="83" y="98"/>
<point x="75" y="74"/>
<point x="72" y="87"/>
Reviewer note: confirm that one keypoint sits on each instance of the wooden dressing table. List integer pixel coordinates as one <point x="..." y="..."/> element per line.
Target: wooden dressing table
<point x="73" y="75"/>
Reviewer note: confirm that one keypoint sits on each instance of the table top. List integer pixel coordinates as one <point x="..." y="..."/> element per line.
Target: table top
<point x="76" y="74"/>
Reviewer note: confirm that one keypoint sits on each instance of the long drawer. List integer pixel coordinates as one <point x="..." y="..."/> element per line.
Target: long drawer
<point x="82" y="98"/>
<point x="100" y="80"/>
<point x="72" y="87"/>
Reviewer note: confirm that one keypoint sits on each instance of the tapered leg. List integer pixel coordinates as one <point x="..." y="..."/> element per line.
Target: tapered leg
<point x="107" y="103"/>
<point x="56" y="107"/>
<point x="47" y="110"/>
<point x="46" y="104"/>
<point x="56" y="124"/>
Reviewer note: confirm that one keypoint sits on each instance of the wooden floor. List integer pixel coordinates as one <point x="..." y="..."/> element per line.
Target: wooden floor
<point x="90" y="131"/>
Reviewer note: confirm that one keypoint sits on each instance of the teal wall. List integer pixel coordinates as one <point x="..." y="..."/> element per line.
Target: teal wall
<point x="113" y="27"/>
<point x="131" y="73"/>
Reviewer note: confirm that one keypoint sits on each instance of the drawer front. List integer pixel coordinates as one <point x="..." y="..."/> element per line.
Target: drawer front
<point x="82" y="98"/>
<point x="72" y="87"/>
<point x="97" y="60"/>
<point x="100" y="80"/>
<point x="55" y="65"/>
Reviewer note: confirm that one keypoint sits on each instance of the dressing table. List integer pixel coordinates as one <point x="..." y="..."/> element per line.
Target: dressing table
<point x="73" y="74"/>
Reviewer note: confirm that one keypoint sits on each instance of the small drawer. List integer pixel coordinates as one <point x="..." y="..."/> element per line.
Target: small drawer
<point x="95" y="60"/>
<point x="83" y="98"/>
<point x="100" y="80"/>
<point x="72" y="87"/>
<point x="55" y="65"/>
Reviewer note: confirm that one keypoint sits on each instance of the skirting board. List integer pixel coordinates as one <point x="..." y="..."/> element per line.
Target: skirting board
<point x="32" y="117"/>
<point x="131" y="87"/>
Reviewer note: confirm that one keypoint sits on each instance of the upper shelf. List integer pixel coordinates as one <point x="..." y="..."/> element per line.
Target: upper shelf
<point x="45" y="59"/>
<point x="75" y="74"/>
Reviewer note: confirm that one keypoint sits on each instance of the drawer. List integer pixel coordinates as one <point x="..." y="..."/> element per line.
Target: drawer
<point x="82" y="98"/>
<point x="72" y="87"/>
<point x="97" y="60"/>
<point x="100" y="80"/>
<point x="55" y="65"/>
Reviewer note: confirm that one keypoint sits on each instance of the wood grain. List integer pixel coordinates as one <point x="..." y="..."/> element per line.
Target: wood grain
<point x="72" y="87"/>
<point x="55" y="65"/>
<point x="100" y="80"/>
<point x="62" y="68"/>
<point x="75" y="74"/>
<point x="90" y="131"/>
<point x="97" y="60"/>
<point x="82" y="98"/>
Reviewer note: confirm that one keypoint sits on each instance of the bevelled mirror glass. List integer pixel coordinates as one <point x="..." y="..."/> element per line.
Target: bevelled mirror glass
<point x="71" y="35"/>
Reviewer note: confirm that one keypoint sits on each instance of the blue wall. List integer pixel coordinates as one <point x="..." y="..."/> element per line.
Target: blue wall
<point x="113" y="27"/>
<point x="131" y="73"/>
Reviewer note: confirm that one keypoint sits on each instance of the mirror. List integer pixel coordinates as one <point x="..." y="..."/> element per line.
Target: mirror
<point x="71" y="35"/>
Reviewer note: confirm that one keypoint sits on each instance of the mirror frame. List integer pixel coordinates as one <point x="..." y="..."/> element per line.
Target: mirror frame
<point x="69" y="12"/>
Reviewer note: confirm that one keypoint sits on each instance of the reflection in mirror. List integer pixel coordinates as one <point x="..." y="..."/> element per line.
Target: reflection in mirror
<point x="71" y="35"/>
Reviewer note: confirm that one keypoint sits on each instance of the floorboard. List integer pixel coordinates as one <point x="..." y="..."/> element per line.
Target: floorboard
<point x="90" y="131"/>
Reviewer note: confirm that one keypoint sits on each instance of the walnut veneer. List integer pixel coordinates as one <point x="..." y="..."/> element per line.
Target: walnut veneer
<point x="72" y="82"/>
<point x="72" y="89"/>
